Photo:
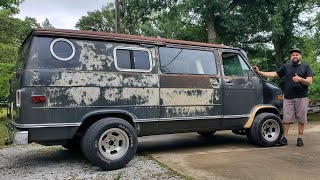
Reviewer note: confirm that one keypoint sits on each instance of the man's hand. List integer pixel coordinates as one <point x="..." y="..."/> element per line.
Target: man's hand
<point x="265" y="74"/>
<point x="297" y="78"/>
<point x="307" y="81"/>
<point x="256" y="69"/>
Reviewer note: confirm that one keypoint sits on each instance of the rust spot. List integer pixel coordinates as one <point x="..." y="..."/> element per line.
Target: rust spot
<point x="185" y="81"/>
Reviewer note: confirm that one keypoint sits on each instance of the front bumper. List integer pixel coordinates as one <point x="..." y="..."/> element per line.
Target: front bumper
<point x="16" y="136"/>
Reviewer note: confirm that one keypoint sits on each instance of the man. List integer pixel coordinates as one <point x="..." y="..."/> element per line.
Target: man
<point x="297" y="76"/>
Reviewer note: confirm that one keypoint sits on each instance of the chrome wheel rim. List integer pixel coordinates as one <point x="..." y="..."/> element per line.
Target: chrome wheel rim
<point x="113" y="143"/>
<point x="270" y="130"/>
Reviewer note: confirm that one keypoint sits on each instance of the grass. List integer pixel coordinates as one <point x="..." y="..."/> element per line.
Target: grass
<point x="3" y="130"/>
<point x="314" y="117"/>
<point x="118" y="177"/>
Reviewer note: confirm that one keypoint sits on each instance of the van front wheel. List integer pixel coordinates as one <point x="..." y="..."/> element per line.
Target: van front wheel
<point x="110" y="143"/>
<point x="266" y="130"/>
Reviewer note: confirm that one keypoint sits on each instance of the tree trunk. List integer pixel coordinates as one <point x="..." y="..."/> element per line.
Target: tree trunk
<point x="279" y="47"/>
<point x="212" y="34"/>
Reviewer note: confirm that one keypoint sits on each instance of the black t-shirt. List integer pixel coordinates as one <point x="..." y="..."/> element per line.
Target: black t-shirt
<point x="291" y="89"/>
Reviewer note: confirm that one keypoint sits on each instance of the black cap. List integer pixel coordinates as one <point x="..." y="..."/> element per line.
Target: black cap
<point x="295" y="50"/>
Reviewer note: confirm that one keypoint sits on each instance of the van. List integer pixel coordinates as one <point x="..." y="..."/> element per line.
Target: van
<point x="97" y="92"/>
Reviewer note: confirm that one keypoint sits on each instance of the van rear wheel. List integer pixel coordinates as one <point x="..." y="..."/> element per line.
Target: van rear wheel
<point x="266" y="130"/>
<point x="206" y="134"/>
<point x="110" y="143"/>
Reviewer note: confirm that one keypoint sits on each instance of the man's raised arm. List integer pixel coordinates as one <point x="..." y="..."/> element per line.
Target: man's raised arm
<point x="266" y="74"/>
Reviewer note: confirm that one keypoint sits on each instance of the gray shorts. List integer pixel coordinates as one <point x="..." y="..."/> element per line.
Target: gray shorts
<point x="295" y="109"/>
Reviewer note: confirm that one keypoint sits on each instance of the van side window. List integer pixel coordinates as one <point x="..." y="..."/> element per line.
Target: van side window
<point x="234" y="65"/>
<point x="62" y="49"/>
<point x="187" y="61"/>
<point x="132" y="59"/>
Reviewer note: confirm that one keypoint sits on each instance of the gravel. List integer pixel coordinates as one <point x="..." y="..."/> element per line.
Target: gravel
<point x="40" y="162"/>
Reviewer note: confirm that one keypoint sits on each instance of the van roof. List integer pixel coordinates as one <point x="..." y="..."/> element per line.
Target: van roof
<point x="117" y="37"/>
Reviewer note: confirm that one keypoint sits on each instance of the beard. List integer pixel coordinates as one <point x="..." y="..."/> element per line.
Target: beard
<point x="295" y="61"/>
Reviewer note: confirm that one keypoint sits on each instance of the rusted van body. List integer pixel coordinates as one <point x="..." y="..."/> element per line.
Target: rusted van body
<point x="99" y="91"/>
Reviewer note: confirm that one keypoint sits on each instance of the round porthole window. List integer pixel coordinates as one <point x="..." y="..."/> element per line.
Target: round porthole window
<point x="62" y="49"/>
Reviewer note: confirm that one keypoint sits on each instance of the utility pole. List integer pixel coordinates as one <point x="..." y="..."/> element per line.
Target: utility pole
<point x="117" y="8"/>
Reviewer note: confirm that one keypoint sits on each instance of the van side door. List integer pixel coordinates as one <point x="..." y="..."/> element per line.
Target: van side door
<point x="242" y="89"/>
<point x="190" y="90"/>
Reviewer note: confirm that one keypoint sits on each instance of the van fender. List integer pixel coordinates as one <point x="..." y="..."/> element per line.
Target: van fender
<point x="97" y="112"/>
<point x="254" y="111"/>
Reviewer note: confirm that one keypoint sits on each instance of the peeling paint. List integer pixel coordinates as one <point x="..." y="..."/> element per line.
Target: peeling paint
<point x="133" y="96"/>
<point x="87" y="95"/>
<point x="109" y="46"/>
<point x="77" y="96"/>
<point x="102" y="79"/>
<point x="176" y="96"/>
<point x="33" y="57"/>
<point x="187" y="111"/>
<point x="34" y="77"/>
<point x="89" y="59"/>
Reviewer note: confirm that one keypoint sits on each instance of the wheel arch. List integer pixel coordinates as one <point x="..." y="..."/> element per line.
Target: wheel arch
<point x="258" y="110"/>
<point x="95" y="116"/>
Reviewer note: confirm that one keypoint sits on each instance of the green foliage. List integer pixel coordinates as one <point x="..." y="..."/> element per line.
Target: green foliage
<point x="310" y="48"/>
<point x="3" y="129"/>
<point x="46" y="24"/>
<point x="6" y="71"/>
<point x="6" y="74"/>
<point x="13" y="31"/>
<point x="100" y="20"/>
<point x="11" y="5"/>
<point x="8" y="53"/>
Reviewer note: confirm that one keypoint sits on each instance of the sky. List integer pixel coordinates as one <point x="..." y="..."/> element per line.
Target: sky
<point x="61" y="13"/>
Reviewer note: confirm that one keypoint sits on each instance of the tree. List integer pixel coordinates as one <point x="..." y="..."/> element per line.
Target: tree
<point x="11" y="5"/>
<point x="100" y="20"/>
<point x="46" y="24"/>
<point x="13" y="31"/>
<point x="254" y="25"/>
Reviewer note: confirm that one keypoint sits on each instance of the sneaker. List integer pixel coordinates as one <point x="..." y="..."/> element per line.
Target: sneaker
<point x="300" y="142"/>
<point x="283" y="141"/>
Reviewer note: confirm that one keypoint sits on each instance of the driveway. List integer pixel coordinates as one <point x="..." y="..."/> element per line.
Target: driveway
<point x="229" y="156"/>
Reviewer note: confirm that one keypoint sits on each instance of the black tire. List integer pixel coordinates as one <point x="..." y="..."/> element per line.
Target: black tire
<point x="266" y="130"/>
<point x="102" y="137"/>
<point x="207" y="134"/>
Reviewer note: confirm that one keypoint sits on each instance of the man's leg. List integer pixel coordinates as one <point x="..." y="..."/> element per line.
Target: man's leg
<point x="286" y="127"/>
<point x="288" y="118"/>
<point x="301" y="105"/>
<point x="301" y="129"/>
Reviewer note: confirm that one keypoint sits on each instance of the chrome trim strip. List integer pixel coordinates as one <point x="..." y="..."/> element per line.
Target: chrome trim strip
<point x="72" y="107"/>
<point x="48" y="125"/>
<point x="193" y="118"/>
<point x="123" y="106"/>
<point x="237" y="116"/>
<point x="179" y="118"/>
<point x="188" y="105"/>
